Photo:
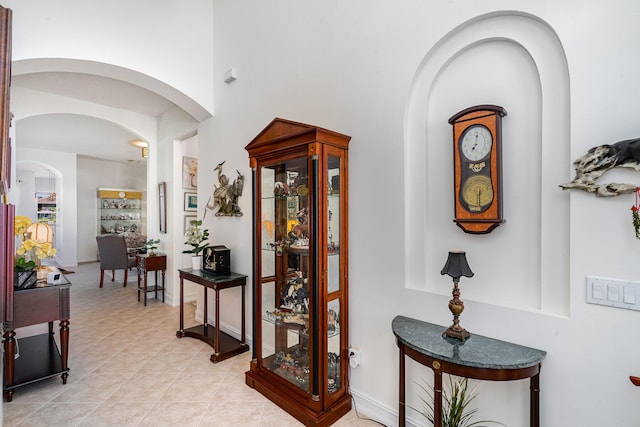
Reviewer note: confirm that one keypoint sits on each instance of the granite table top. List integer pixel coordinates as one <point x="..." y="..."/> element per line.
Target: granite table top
<point x="476" y="351"/>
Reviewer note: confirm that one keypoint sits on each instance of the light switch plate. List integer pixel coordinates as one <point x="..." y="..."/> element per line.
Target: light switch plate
<point x="613" y="292"/>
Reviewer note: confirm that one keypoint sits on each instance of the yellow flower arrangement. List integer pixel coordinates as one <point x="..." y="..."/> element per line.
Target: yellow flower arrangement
<point x="21" y="223"/>
<point x="41" y="249"/>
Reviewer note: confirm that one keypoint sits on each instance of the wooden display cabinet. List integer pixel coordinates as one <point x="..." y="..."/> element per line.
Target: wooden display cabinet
<point x="300" y="278"/>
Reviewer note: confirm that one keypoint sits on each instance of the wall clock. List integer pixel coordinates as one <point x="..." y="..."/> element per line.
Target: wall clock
<point x="477" y="168"/>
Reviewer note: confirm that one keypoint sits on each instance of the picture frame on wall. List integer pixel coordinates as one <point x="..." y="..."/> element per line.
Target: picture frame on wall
<point x="187" y="222"/>
<point x="190" y="201"/>
<point x="189" y="173"/>
<point x="162" y="206"/>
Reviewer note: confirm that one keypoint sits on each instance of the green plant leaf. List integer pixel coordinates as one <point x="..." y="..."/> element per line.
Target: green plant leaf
<point x="455" y="404"/>
<point x="23" y="265"/>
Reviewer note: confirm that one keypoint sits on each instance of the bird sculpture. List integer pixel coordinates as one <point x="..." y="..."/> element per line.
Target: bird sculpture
<point x="600" y="159"/>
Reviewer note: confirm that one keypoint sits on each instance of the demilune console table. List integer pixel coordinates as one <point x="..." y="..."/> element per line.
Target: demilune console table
<point x="224" y="345"/>
<point x="477" y="357"/>
<point x="31" y="359"/>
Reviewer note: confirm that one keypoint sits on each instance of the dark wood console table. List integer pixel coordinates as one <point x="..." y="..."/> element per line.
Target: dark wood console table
<point x="146" y="263"/>
<point x="224" y="345"/>
<point x="477" y="357"/>
<point x="31" y="359"/>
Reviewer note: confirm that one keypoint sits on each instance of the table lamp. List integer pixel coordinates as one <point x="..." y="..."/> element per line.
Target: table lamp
<point x="456" y="266"/>
<point x="41" y="232"/>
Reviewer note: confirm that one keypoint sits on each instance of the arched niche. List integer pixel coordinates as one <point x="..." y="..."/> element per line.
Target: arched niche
<point x="514" y="60"/>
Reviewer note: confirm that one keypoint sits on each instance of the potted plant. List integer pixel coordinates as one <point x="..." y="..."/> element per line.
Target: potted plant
<point x="455" y="411"/>
<point x="151" y="246"/>
<point x="196" y="238"/>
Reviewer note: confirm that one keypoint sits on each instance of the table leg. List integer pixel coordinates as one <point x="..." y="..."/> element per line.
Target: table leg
<point x="163" y="286"/>
<point x="156" y="283"/>
<point x="206" y="310"/>
<point x="534" y="407"/>
<point x="217" y="346"/>
<point x="9" y="357"/>
<point x="181" y="330"/>
<point x="64" y="347"/>
<point x="243" y="325"/>
<point x="145" y="288"/>
<point x="437" y="397"/>
<point x="401" y="409"/>
<point x="138" y="270"/>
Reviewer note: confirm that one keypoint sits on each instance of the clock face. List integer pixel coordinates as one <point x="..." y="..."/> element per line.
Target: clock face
<point x="477" y="193"/>
<point x="476" y="142"/>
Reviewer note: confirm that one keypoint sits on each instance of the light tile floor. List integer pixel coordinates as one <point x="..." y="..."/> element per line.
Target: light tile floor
<point x="127" y="368"/>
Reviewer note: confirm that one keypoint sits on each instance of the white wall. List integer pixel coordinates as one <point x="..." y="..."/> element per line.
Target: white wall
<point x="351" y="68"/>
<point x="174" y="126"/>
<point x="64" y="165"/>
<point x="171" y="35"/>
<point x="193" y="89"/>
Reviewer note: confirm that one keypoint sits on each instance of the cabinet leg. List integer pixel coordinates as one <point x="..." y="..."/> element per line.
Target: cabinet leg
<point x="9" y="354"/>
<point x="64" y="350"/>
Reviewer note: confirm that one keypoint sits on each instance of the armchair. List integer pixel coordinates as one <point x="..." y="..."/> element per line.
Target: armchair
<point x="112" y="252"/>
<point x="135" y="241"/>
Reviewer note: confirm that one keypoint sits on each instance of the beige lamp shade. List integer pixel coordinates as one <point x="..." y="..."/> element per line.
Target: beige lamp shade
<point x="41" y="232"/>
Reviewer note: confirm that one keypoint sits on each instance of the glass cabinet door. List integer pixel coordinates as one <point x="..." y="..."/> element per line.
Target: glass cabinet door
<point x="333" y="230"/>
<point x="284" y="208"/>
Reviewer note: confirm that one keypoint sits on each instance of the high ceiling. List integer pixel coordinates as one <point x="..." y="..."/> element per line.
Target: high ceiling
<point x="84" y="135"/>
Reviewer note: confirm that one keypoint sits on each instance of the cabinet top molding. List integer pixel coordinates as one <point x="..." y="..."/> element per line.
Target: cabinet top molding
<point x="292" y="134"/>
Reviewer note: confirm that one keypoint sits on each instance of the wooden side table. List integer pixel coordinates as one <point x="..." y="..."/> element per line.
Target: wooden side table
<point x="146" y="263"/>
<point x="38" y="357"/>
<point x="477" y="357"/>
<point x="224" y="345"/>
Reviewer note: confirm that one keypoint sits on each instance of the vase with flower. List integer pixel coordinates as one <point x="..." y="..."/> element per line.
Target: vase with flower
<point x="635" y="209"/>
<point x="151" y="246"/>
<point x="29" y="254"/>
<point x="196" y="238"/>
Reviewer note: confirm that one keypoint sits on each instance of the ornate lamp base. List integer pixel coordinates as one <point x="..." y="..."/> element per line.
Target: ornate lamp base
<point x="456" y="331"/>
<point x="457" y="307"/>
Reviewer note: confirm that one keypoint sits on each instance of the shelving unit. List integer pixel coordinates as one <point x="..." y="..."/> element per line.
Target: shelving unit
<point x="119" y="211"/>
<point x="47" y="212"/>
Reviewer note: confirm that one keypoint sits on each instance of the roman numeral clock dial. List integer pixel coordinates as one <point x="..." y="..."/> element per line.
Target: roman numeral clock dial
<point x="477" y="161"/>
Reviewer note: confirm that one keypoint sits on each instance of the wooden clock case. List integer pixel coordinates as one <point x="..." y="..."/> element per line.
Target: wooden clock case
<point x="483" y="219"/>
